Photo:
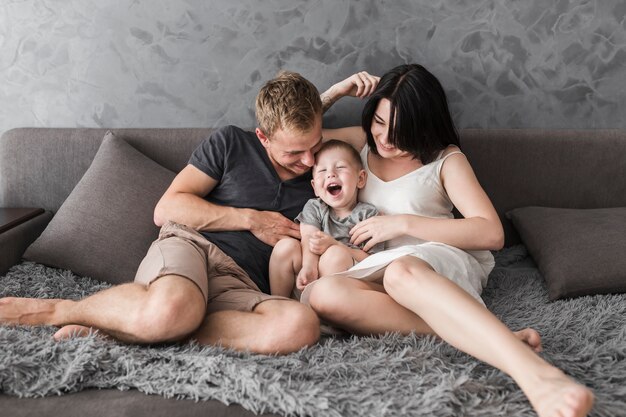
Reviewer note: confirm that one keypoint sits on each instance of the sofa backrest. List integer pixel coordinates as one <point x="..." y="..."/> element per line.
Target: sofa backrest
<point x="550" y="168"/>
<point x="39" y="167"/>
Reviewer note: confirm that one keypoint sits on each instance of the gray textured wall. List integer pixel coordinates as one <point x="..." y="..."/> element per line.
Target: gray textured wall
<point x="161" y="63"/>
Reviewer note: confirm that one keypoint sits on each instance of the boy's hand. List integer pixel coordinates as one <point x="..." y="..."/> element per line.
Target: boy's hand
<point x="320" y="241"/>
<point x="306" y="276"/>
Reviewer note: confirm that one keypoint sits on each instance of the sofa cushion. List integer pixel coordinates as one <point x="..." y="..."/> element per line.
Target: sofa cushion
<point x="578" y="251"/>
<point x="105" y="226"/>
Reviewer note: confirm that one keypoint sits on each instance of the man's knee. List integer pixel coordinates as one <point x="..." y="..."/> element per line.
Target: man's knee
<point x="169" y="313"/>
<point x="328" y="296"/>
<point x="293" y="326"/>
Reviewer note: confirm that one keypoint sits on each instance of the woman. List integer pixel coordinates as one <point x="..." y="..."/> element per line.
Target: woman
<point x="430" y="279"/>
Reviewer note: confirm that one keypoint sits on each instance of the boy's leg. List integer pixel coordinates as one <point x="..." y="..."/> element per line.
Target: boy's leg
<point x="285" y="263"/>
<point x="337" y="258"/>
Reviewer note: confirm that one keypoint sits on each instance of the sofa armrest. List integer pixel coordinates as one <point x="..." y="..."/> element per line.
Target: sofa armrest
<point x="13" y="242"/>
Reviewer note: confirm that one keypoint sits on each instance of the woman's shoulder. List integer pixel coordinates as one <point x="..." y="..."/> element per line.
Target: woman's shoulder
<point x="450" y="149"/>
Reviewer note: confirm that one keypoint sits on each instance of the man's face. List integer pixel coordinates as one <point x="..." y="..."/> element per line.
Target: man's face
<point x="291" y="152"/>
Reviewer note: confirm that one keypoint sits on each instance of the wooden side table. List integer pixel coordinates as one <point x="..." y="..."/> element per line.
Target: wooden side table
<point x="11" y="217"/>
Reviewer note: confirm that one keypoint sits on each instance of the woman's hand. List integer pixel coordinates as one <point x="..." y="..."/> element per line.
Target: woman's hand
<point x="377" y="229"/>
<point x="320" y="241"/>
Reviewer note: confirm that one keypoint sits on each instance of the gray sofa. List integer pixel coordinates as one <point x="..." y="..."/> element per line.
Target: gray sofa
<point x="39" y="167"/>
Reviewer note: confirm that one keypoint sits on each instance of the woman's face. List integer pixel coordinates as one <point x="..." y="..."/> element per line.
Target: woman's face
<point x="380" y="131"/>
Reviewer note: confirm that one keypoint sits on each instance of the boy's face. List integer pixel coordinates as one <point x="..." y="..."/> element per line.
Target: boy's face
<point x="337" y="178"/>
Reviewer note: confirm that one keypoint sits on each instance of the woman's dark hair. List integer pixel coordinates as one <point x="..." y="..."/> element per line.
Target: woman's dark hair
<point x="419" y="120"/>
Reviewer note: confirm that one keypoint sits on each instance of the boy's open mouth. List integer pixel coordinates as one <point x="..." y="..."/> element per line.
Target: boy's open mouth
<point x="333" y="189"/>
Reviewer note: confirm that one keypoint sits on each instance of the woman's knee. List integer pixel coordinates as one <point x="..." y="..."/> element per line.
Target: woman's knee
<point x="405" y="274"/>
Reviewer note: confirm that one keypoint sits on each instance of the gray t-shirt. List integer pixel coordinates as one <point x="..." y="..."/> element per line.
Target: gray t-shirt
<point x="319" y="214"/>
<point x="247" y="179"/>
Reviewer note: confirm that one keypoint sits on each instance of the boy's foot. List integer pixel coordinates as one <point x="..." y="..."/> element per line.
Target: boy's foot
<point x="531" y="337"/>
<point x="27" y="311"/>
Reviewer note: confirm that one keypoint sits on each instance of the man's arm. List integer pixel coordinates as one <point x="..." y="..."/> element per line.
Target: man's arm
<point x="362" y="85"/>
<point x="183" y="202"/>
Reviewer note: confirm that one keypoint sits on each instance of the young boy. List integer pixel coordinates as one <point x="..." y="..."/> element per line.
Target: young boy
<point x="325" y="223"/>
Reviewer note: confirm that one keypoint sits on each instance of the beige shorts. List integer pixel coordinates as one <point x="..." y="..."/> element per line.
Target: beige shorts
<point x="180" y="250"/>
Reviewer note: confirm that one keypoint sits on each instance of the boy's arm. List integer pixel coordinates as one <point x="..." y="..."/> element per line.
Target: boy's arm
<point x="310" y="260"/>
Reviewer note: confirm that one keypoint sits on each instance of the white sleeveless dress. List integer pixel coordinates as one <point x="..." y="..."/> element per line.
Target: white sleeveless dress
<point x="419" y="192"/>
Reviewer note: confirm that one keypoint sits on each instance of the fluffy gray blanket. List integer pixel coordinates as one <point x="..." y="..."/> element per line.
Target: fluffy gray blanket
<point x="389" y="375"/>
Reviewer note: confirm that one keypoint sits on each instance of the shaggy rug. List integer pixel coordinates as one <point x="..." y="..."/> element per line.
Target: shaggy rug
<point x="389" y="375"/>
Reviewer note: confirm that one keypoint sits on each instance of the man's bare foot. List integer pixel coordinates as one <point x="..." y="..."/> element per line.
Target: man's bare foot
<point x="27" y="311"/>
<point x="75" y="330"/>
<point x="531" y="337"/>
<point x="560" y="396"/>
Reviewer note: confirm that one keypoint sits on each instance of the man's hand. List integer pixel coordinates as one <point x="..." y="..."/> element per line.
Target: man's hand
<point x="307" y="275"/>
<point x="320" y="241"/>
<point x="270" y="226"/>
<point x="361" y="85"/>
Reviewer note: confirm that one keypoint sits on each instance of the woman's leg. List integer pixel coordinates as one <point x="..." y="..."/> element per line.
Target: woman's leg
<point x="356" y="306"/>
<point x="364" y="308"/>
<point x="461" y="321"/>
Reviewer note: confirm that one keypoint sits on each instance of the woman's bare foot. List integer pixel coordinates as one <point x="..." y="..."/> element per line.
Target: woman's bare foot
<point x="75" y="330"/>
<point x="27" y="311"/>
<point x="531" y="337"/>
<point x="560" y="396"/>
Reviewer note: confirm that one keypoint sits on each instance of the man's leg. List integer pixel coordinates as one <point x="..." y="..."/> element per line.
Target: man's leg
<point x="273" y="326"/>
<point x="169" y="309"/>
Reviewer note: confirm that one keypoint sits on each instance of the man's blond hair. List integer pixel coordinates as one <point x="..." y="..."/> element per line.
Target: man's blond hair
<point x="289" y="102"/>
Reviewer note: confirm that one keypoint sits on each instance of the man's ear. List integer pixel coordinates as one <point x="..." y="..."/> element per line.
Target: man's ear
<point x="265" y="141"/>
<point x="360" y="183"/>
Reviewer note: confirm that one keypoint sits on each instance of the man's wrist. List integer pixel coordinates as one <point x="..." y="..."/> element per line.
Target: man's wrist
<point x="328" y="99"/>
<point x="248" y="216"/>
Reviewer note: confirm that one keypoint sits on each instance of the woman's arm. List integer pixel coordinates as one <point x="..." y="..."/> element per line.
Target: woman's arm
<point x="480" y="228"/>
<point x="353" y="135"/>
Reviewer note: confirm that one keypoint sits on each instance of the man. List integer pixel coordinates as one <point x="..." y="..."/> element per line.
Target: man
<point x="205" y="278"/>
